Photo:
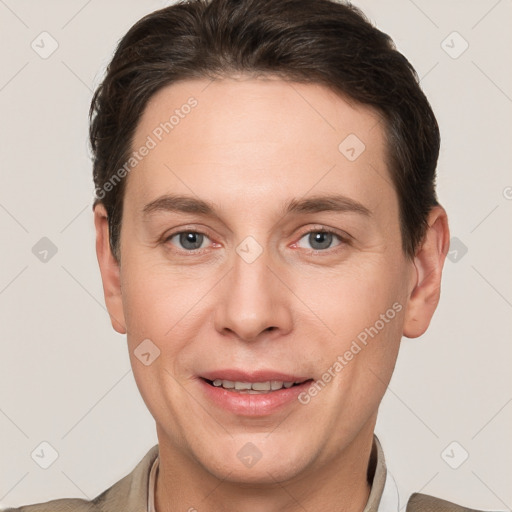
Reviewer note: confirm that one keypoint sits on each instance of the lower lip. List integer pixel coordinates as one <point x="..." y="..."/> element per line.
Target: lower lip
<point x="245" y="404"/>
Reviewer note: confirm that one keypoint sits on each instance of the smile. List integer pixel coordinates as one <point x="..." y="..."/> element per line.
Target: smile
<point x="253" y="394"/>
<point x="253" y="388"/>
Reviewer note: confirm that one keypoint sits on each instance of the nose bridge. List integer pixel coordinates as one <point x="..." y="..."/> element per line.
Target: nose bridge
<point x="252" y="299"/>
<point x="251" y="276"/>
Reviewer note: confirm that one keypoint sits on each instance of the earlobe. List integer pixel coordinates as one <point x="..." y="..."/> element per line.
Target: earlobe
<point x="428" y="263"/>
<point x="109" y="269"/>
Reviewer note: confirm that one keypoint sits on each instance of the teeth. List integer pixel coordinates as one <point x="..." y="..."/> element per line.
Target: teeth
<point x="261" y="386"/>
<point x="253" y="387"/>
<point x="242" y="385"/>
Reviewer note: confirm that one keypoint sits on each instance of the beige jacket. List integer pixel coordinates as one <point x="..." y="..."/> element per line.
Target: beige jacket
<point x="130" y="494"/>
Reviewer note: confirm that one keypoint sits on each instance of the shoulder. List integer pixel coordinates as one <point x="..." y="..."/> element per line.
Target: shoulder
<point x="127" y="495"/>
<point x="64" y="505"/>
<point x="425" y="503"/>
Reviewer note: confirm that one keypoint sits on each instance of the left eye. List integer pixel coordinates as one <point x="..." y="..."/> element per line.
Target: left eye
<point x="319" y="240"/>
<point x="189" y="240"/>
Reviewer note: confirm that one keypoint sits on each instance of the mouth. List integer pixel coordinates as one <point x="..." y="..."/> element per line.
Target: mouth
<point x="252" y="394"/>
<point x="254" y="388"/>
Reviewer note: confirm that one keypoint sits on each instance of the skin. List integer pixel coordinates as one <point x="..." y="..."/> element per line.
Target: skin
<point x="249" y="146"/>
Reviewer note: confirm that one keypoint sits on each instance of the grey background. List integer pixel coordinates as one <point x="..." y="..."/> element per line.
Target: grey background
<point x="65" y="376"/>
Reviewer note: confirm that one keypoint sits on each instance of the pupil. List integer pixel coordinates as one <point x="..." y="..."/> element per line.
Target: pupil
<point x="191" y="240"/>
<point x="323" y="239"/>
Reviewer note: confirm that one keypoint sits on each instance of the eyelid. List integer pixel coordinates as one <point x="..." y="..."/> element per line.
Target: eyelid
<point x="323" y="227"/>
<point x="192" y="228"/>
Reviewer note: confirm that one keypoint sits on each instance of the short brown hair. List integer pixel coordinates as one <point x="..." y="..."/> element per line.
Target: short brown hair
<point x="308" y="41"/>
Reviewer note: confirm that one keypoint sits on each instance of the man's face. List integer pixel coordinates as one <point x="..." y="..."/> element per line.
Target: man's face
<point x="253" y="291"/>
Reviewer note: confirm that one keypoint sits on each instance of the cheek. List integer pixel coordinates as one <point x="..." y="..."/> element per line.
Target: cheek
<point x="154" y="297"/>
<point x="353" y="297"/>
<point x="143" y="303"/>
<point x="362" y="312"/>
<point x="157" y="323"/>
<point x="168" y="307"/>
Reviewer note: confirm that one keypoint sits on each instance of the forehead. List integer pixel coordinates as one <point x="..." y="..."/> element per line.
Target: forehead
<point x="254" y="136"/>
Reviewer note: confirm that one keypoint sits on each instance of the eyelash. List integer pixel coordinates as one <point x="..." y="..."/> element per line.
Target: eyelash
<point x="343" y="239"/>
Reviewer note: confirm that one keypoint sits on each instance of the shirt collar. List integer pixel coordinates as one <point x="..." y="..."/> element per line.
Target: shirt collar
<point x="383" y="493"/>
<point x="152" y="485"/>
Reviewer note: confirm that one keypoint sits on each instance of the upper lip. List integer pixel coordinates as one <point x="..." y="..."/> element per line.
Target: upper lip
<point x="255" y="376"/>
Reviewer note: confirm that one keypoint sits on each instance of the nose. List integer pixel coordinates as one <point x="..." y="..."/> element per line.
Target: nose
<point x="253" y="303"/>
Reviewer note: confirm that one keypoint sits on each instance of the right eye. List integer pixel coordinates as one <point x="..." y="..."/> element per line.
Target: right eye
<point x="187" y="240"/>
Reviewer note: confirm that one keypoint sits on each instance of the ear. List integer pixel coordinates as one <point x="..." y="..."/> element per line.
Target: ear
<point x="428" y="263"/>
<point x="109" y="269"/>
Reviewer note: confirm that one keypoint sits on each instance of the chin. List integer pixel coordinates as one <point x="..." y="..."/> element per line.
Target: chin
<point x="263" y="473"/>
<point x="255" y="459"/>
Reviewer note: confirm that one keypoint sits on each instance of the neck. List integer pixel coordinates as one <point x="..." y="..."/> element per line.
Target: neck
<point x="339" y="483"/>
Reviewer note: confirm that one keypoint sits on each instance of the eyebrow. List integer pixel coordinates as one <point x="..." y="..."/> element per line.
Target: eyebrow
<point x="314" y="204"/>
